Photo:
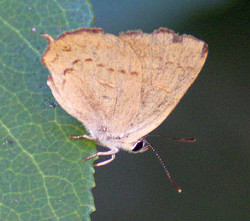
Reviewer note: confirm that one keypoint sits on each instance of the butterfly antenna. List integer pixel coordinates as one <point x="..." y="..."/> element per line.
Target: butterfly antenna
<point x="179" y="139"/>
<point x="171" y="179"/>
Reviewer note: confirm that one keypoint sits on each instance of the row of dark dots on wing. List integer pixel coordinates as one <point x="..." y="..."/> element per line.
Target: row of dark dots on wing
<point x="110" y="69"/>
<point x="77" y="61"/>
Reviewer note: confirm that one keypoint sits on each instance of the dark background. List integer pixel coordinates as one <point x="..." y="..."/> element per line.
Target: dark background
<point x="213" y="171"/>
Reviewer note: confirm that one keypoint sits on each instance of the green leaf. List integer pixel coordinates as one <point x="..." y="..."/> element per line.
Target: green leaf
<point x="42" y="176"/>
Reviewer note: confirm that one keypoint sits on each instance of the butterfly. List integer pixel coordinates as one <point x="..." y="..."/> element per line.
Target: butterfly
<point x="121" y="87"/>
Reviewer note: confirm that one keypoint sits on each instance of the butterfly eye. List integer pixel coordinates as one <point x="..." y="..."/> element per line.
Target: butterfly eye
<point x="138" y="146"/>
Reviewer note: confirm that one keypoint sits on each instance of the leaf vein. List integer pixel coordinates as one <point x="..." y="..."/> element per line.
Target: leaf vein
<point x="63" y="11"/>
<point x="20" y="36"/>
<point x="36" y="165"/>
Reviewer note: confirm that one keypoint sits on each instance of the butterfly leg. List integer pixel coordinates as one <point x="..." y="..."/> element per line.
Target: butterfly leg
<point x="105" y="162"/>
<point x="78" y="137"/>
<point x="107" y="153"/>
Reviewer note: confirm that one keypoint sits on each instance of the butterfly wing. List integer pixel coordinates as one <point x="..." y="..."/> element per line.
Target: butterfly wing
<point x="170" y="63"/>
<point x="124" y="86"/>
<point x="96" y="78"/>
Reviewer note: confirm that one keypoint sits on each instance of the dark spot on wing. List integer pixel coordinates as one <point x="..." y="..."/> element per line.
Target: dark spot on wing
<point x="134" y="73"/>
<point x="101" y="65"/>
<point x="88" y="59"/>
<point x="122" y="71"/>
<point x="66" y="48"/>
<point x="68" y="70"/>
<point x="76" y="61"/>
<point x="111" y="69"/>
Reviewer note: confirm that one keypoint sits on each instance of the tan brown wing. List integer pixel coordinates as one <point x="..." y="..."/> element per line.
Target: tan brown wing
<point x="95" y="77"/>
<point x="170" y="63"/>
